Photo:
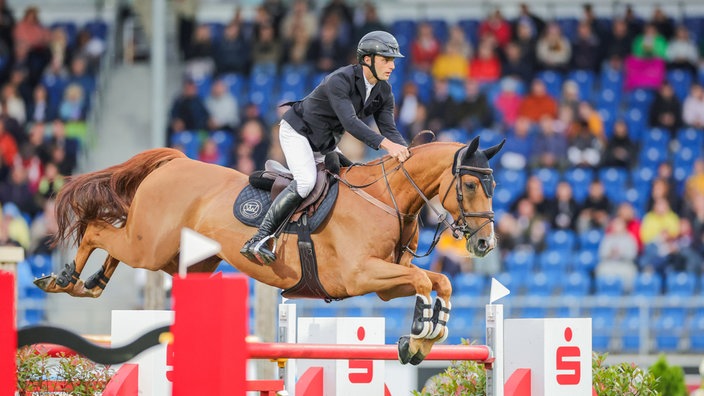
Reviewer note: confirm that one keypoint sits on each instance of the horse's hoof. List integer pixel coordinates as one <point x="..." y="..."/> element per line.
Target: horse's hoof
<point x="404" y="349"/>
<point x="417" y="358"/>
<point x="45" y="282"/>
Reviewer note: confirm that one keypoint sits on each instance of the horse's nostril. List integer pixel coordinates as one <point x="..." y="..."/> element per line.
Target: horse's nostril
<point x="482" y="245"/>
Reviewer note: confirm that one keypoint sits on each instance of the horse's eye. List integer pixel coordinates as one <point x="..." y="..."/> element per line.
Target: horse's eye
<point x="471" y="186"/>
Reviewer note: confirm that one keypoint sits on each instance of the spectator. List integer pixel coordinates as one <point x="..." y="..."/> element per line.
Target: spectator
<point x="529" y="19"/>
<point x="408" y="107"/>
<point x="189" y="109"/>
<point x="696" y="218"/>
<point x="17" y="191"/>
<point x="210" y="153"/>
<point x="424" y="48"/>
<point x="617" y="254"/>
<point x="299" y="18"/>
<point x="693" y="109"/>
<point x="186" y="11"/>
<point x="650" y="44"/>
<point x="296" y="49"/>
<point x="620" y="149"/>
<point x="267" y="50"/>
<point x="325" y="52"/>
<point x="584" y="149"/>
<point x="619" y="42"/>
<point x="12" y="126"/>
<point x="537" y="103"/>
<point x="485" y="67"/>
<point x="232" y="52"/>
<point x="276" y="10"/>
<point x="527" y="42"/>
<point x="694" y="184"/>
<point x="441" y="106"/>
<point x="662" y="188"/>
<point x="570" y="96"/>
<point x="508" y="101"/>
<point x="666" y="110"/>
<point x="681" y="52"/>
<point x="497" y="27"/>
<point x="200" y="54"/>
<point x="550" y="149"/>
<point x="30" y="36"/>
<point x="535" y="194"/>
<point x="530" y="228"/>
<point x="662" y="22"/>
<point x="61" y="150"/>
<point x="453" y="62"/>
<point x="79" y="75"/>
<point x="90" y="48"/>
<point x="73" y="104"/>
<point x="8" y="147"/>
<point x="223" y="107"/>
<point x="516" y="65"/>
<point x="39" y="109"/>
<point x="252" y="144"/>
<point x="592" y="120"/>
<point x="58" y="45"/>
<point x="370" y="23"/>
<point x="14" y="225"/>
<point x="553" y="49"/>
<point x="474" y="111"/>
<point x="586" y="50"/>
<point x="562" y="210"/>
<point x="15" y="104"/>
<point x="516" y="152"/>
<point x="659" y="230"/>
<point x="42" y="230"/>
<point x="7" y="25"/>
<point x="49" y="185"/>
<point x="595" y="210"/>
<point x="627" y="213"/>
<point x="340" y="10"/>
<point x="451" y="256"/>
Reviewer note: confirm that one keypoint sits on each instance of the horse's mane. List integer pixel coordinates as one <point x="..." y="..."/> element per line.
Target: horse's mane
<point x="105" y="194"/>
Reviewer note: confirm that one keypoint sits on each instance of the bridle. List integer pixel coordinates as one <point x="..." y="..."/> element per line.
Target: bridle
<point x="459" y="227"/>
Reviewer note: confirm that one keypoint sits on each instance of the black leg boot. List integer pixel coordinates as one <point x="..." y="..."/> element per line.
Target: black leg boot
<point x="257" y="248"/>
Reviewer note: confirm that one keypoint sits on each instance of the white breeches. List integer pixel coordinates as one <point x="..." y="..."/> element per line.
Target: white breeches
<point x="300" y="158"/>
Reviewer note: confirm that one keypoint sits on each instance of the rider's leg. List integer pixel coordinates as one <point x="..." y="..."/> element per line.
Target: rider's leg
<point x="301" y="162"/>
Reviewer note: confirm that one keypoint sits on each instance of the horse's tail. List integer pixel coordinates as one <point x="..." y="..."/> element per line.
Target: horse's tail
<point x="105" y="194"/>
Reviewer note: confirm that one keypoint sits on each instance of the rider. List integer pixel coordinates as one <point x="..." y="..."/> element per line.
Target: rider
<point x="313" y="127"/>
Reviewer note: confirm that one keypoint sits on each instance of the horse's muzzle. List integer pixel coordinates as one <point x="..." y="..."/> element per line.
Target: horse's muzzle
<point x="480" y="246"/>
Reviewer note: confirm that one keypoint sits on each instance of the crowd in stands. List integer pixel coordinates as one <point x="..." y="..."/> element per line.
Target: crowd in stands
<point x="603" y="119"/>
<point x="47" y="79"/>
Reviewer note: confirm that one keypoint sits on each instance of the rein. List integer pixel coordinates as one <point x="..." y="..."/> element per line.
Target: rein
<point x="459" y="227"/>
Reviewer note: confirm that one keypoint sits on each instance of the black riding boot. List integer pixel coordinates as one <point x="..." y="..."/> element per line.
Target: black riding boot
<point x="257" y="249"/>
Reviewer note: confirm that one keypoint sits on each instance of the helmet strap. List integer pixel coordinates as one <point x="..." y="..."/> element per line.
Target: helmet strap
<point x="371" y="67"/>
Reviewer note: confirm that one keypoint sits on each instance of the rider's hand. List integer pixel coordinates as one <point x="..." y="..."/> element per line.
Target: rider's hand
<point x="398" y="151"/>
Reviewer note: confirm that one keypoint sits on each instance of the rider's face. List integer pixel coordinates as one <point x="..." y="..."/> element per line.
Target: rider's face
<point x="384" y="66"/>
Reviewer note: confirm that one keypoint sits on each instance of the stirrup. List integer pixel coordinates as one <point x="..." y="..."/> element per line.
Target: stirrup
<point x="257" y="250"/>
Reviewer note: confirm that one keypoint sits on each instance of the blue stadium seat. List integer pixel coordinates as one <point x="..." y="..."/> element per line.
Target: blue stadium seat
<point x="680" y="284"/>
<point x="404" y="27"/>
<point x="41" y="264"/>
<point x="615" y="181"/>
<point x="69" y="27"/>
<point x="683" y="162"/>
<point x="462" y="320"/>
<point x="637" y="122"/>
<point x="608" y="98"/>
<point x="216" y="30"/>
<point x="513" y="281"/>
<point x="590" y="239"/>
<point x="470" y="284"/>
<point x="653" y="156"/>
<point x="640" y="99"/>
<point x="203" y="86"/>
<point x="696" y="333"/>
<point x="630" y="333"/>
<point x="568" y="27"/>
<point x="503" y="197"/>
<point x="563" y="240"/>
<point x="424" y="82"/>
<point x="97" y="28"/>
<point x="585" y="260"/>
<point x="579" y="179"/>
<point x="577" y="284"/>
<point x="188" y="141"/>
<point x="611" y="79"/>
<point x="608" y="117"/>
<point x="540" y="284"/>
<point x="552" y="81"/>
<point x="647" y="284"/>
<point x="690" y="137"/>
<point x="554" y="260"/>
<point x="425" y="239"/>
<point x="520" y="261"/>
<point x="602" y="327"/>
<point x="681" y="80"/>
<point x="514" y="180"/>
<point x="471" y="30"/>
<point x="668" y="333"/>
<point x="440" y="29"/>
<point x="585" y="82"/>
<point x="550" y="178"/>
<point x="609" y="286"/>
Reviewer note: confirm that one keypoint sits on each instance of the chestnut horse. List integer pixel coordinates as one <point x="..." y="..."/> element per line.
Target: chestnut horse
<point x="135" y="212"/>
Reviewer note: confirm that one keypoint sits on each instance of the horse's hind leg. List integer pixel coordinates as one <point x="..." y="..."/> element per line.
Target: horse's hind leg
<point x="96" y="283"/>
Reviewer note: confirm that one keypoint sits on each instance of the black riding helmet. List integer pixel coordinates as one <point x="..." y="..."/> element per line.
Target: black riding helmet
<point x="375" y="43"/>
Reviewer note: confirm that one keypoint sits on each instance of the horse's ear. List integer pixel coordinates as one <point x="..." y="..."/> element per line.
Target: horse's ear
<point x="423" y="137"/>
<point x="473" y="146"/>
<point x="491" y="151"/>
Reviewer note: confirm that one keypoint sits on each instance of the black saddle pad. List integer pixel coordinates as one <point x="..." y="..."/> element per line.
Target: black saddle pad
<point x="252" y="204"/>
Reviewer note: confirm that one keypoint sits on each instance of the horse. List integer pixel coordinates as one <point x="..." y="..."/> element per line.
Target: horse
<point x="136" y="210"/>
